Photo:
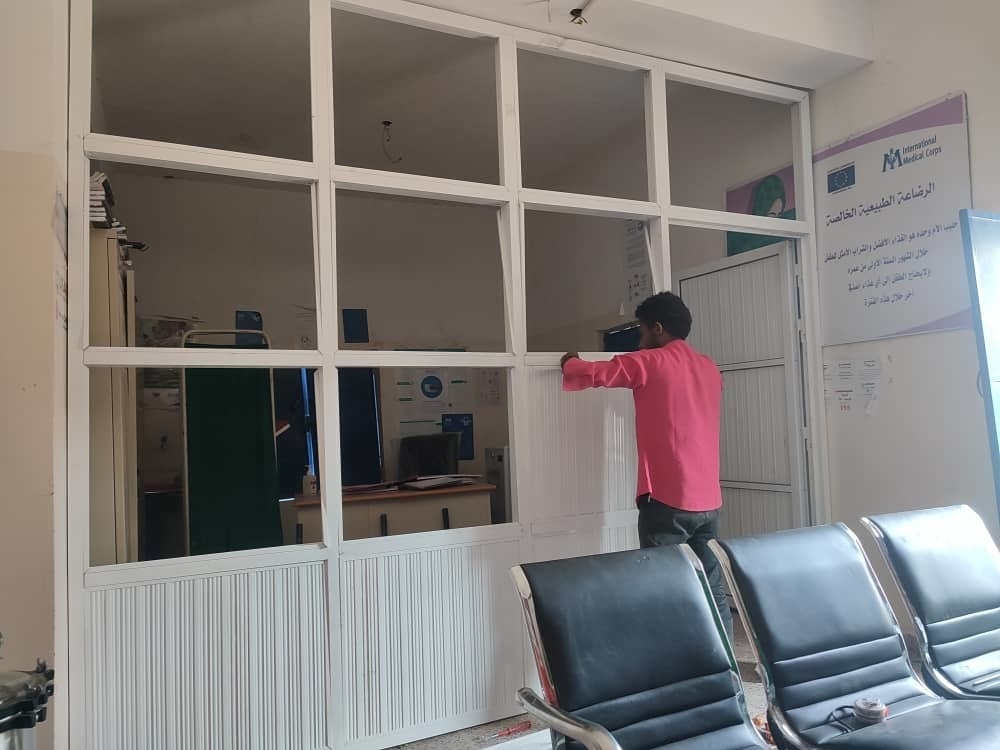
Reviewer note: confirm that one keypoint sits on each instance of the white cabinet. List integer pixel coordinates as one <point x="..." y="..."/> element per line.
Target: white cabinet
<point x="113" y="479"/>
<point x="391" y="513"/>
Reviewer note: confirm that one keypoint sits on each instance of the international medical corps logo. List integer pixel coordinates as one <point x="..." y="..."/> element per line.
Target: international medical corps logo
<point x="844" y="177"/>
<point x="925" y="148"/>
<point x="893" y="158"/>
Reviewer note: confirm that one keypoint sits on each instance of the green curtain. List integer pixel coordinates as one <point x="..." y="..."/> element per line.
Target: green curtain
<point x="232" y="473"/>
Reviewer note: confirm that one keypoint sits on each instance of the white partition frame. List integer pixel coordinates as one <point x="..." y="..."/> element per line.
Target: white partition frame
<point x="608" y="526"/>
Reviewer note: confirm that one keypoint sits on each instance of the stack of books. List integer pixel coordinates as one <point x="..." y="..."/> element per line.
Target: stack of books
<point x="102" y="203"/>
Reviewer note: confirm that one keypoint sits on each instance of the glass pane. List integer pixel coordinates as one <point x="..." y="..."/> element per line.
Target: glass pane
<point x="233" y="76"/>
<point x="198" y="461"/>
<point x="585" y="275"/>
<point x="583" y="127"/>
<point x="200" y="252"/>
<point x="729" y="152"/>
<point x="418" y="274"/>
<point x="691" y="248"/>
<point x="437" y="91"/>
<point x="398" y="424"/>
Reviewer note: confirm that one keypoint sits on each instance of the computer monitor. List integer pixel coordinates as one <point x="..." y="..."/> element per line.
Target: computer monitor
<point x="428" y="455"/>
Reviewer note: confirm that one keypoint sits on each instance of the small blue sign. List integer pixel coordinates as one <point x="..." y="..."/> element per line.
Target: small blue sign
<point x="462" y="424"/>
<point x="431" y="387"/>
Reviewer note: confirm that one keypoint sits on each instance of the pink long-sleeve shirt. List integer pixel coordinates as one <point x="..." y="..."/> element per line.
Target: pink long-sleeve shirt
<point x="678" y="400"/>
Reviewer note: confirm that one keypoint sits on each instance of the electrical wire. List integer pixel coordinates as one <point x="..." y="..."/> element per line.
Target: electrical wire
<point x="386" y="140"/>
<point x="840" y="721"/>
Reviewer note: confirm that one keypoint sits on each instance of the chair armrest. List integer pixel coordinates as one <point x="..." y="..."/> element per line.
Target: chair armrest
<point x="592" y="736"/>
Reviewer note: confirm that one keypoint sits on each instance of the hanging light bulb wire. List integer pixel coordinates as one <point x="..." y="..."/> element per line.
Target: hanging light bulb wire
<point x="386" y="140"/>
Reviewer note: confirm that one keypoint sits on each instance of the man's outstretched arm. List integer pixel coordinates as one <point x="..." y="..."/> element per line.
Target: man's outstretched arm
<point x="624" y="371"/>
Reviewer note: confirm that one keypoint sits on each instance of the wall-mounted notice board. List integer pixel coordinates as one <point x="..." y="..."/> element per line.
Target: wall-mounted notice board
<point x="889" y="243"/>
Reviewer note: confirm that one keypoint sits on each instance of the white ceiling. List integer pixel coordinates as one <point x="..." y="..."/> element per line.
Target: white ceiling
<point x="234" y="74"/>
<point x="803" y="43"/>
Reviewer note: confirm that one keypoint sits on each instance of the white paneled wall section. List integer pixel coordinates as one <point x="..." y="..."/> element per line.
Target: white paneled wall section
<point x="237" y="660"/>
<point x="376" y="642"/>
<point x="755" y="426"/>
<point x="423" y="630"/>
<point x="735" y="334"/>
<point x="748" y="324"/>
<point x="580" y="449"/>
<point x="750" y="512"/>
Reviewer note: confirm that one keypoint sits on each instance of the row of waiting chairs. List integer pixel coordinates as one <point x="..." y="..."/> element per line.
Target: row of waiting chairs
<point x="632" y="655"/>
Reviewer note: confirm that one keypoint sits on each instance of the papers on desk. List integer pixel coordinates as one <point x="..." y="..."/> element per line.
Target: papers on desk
<point x="437" y="483"/>
<point x="417" y="483"/>
<point x="358" y="489"/>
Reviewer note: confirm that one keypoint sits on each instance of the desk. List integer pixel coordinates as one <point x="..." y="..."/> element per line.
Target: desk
<point x="369" y="514"/>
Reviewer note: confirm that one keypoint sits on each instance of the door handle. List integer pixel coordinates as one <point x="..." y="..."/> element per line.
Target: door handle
<point x="445" y="519"/>
<point x="383" y="524"/>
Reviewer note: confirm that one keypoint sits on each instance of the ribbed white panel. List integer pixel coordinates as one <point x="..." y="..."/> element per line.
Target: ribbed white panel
<point x="755" y="426"/>
<point x="620" y="538"/>
<point x="581" y="449"/>
<point x="751" y="512"/>
<point x="587" y="542"/>
<point x="738" y="312"/>
<point x="236" y="660"/>
<point x="430" y="636"/>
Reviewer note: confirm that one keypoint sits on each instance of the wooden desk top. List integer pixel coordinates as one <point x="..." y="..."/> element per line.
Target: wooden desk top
<point x="367" y="497"/>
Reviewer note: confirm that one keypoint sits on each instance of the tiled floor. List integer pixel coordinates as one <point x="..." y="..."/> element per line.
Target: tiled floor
<point x="485" y="736"/>
<point x="477" y="737"/>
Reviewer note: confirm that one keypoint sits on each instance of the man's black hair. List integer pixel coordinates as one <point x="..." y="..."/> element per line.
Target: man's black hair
<point x="669" y="311"/>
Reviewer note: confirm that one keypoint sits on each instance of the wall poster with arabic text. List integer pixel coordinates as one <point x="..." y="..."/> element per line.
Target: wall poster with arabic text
<point x="889" y="243"/>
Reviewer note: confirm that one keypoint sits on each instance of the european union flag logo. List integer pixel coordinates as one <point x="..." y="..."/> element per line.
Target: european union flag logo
<point x="840" y="179"/>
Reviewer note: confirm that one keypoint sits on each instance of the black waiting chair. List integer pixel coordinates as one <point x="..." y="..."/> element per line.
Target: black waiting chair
<point x="631" y="654"/>
<point x="826" y="637"/>
<point x="947" y="568"/>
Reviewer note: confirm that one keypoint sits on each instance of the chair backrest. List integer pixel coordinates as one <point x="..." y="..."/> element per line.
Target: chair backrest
<point x="633" y="642"/>
<point x="947" y="567"/>
<point x="824" y="632"/>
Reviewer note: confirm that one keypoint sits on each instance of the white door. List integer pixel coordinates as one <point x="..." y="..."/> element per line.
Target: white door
<point x="746" y="317"/>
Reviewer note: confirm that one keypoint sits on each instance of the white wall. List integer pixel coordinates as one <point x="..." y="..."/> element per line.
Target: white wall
<point x="32" y="369"/>
<point x="575" y="280"/>
<point x="926" y="445"/>
<point x="429" y="273"/>
<point x="217" y="245"/>
<point x="443" y="114"/>
<point x="718" y="141"/>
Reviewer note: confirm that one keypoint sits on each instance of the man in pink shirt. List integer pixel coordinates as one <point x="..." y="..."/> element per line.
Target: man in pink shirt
<point x="678" y="400"/>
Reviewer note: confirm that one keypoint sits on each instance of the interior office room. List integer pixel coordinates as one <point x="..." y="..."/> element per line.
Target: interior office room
<point x="291" y="281"/>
